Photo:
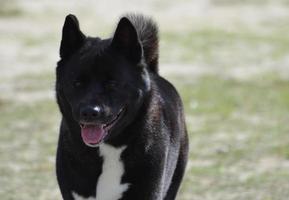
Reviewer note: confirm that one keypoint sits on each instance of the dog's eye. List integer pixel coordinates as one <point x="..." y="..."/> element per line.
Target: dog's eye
<point x="77" y="83"/>
<point x="111" y="84"/>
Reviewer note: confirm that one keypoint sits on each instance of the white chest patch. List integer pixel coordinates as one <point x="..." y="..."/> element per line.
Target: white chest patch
<point x="109" y="185"/>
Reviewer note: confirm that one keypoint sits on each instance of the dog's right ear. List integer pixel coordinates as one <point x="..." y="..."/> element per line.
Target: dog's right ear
<point x="72" y="37"/>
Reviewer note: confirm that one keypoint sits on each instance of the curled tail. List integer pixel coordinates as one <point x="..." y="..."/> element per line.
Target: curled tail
<point x="147" y="31"/>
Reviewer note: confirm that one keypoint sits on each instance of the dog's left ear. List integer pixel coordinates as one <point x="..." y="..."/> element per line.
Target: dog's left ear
<point x="72" y="37"/>
<point x="126" y="41"/>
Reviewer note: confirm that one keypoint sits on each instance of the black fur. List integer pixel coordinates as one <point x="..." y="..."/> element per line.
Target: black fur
<point x="119" y="75"/>
<point x="147" y="32"/>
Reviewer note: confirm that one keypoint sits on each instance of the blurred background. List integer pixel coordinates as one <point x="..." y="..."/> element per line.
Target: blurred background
<point x="229" y="59"/>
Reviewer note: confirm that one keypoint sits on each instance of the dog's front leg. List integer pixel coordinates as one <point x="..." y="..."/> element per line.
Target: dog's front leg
<point x="147" y="180"/>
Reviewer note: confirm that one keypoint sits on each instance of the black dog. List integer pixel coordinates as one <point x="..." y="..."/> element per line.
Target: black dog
<point x="123" y="133"/>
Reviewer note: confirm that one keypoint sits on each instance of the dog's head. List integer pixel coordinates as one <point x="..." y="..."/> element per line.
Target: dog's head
<point x="101" y="84"/>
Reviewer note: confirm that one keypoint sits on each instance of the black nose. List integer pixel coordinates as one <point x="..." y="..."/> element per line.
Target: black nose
<point x="90" y="113"/>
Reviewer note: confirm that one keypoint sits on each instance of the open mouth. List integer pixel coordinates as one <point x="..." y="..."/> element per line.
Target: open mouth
<point x="93" y="133"/>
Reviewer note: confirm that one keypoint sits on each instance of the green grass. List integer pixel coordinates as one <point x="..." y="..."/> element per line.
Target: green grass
<point x="214" y="46"/>
<point x="239" y="139"/>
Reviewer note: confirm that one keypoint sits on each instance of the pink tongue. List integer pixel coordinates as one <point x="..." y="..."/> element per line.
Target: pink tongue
<point x="92" y="134"/>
